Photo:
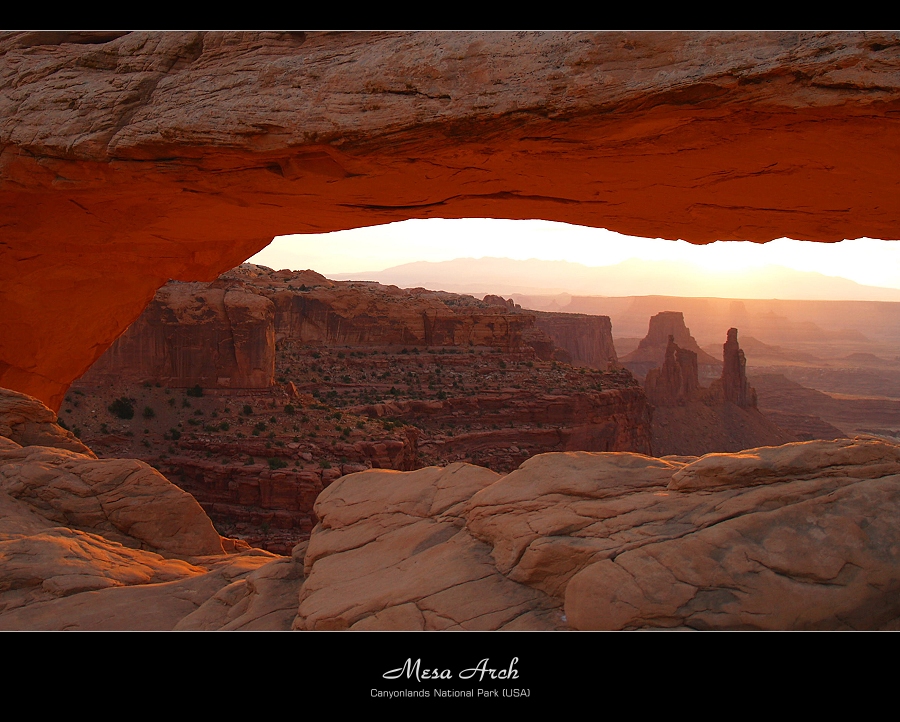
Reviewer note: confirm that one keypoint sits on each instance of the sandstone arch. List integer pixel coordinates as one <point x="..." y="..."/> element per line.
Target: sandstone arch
<point x="126" y="160"/>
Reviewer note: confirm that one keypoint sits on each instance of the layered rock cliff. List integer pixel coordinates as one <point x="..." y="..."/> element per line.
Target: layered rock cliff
<point x="586" y="340"/>
<point x="223" y="334"/>
<point x="211" y="335"/>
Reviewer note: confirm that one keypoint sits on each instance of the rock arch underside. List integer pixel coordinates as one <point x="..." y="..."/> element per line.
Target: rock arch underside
<point x="128" y="159"/>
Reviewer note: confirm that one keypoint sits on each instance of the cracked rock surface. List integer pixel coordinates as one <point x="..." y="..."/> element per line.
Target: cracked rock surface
<point x="802" y="536"/>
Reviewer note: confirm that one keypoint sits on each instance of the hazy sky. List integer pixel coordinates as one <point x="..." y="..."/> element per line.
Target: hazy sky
<point x="867" y="261"/>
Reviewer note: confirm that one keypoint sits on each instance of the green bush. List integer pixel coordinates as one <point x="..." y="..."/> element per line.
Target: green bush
<point x="195" y="391"/>
<point x="248" y="410"/>
<point x="277" y="463"/>
<point x="149" y="413"/>
<point x="123" y="407"/>
<point x="289" y="409"/>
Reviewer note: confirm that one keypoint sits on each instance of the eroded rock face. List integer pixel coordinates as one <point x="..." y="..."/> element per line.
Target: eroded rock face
<point x="223" y="334"/>
<point x="411" y="564"/>
<point x="128" y="160"/>
<point x="587" y="340"/>
<point x="802" y="536"/>
<point x="611" y="420"/>
<point x="196" y="334"/>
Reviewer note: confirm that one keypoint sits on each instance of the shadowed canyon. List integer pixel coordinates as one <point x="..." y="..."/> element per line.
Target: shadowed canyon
<point x="275" y="450"/>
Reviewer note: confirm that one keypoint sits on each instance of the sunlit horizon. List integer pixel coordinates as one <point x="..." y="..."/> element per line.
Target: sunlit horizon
<point x="865" y="261"/>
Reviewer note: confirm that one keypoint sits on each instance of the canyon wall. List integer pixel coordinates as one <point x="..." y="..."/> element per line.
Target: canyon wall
<point x="224" y="334"/>
<point x="351" y="314"/>
<point x="196" y="334"/>
<point x="587" y="340"/>
<point x="128" y="159"/>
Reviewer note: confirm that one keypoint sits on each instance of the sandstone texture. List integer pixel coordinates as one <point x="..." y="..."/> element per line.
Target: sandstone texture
<point x="130" y="159"/>
<point x="803" y="536"/>
<point x="391" y="552"/>
<point x="28" y="422"/>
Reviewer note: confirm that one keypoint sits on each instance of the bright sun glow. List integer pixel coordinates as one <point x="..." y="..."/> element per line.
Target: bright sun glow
<point x="865" y="261"/>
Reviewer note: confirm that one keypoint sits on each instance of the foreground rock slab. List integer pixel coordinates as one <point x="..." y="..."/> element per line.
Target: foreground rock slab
<point x="801" y="536"/>
<point x="391" y="552"/>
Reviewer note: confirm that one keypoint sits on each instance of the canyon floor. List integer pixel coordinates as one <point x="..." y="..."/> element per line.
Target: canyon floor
<point x="386" y="408"/>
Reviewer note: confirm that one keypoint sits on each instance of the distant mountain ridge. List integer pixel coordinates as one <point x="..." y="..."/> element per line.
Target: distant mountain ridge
<point x="629" y="278"/>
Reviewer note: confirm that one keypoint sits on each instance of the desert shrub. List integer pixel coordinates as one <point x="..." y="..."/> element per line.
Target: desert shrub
<point x="248" y="410"/>
<point x="277" y="463"/>
<point x="149" y="413"/>
<point x="123" y="407"/>
<point x="196" y="391"/>
<point x="289" y="409"/>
